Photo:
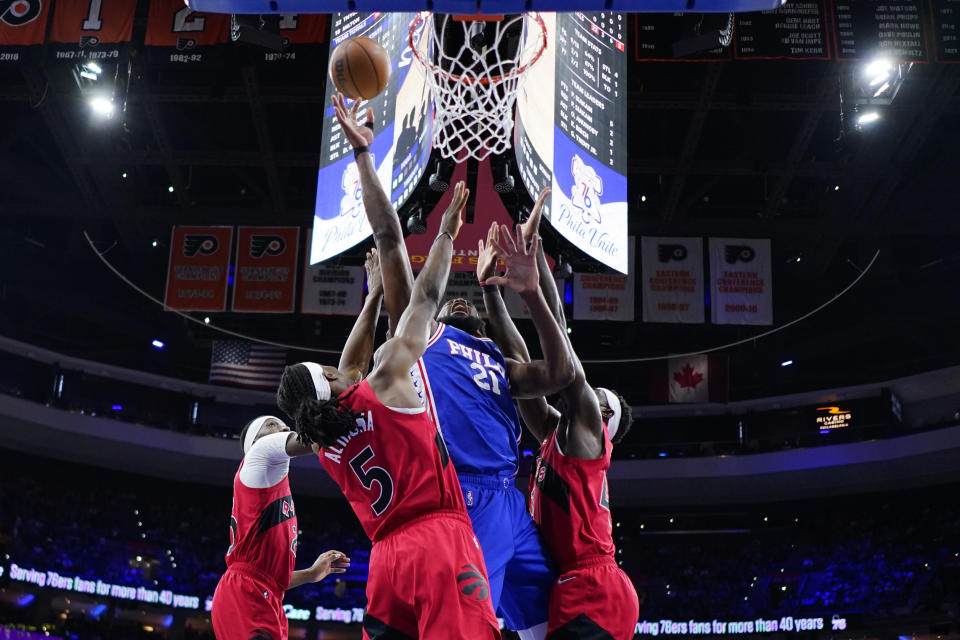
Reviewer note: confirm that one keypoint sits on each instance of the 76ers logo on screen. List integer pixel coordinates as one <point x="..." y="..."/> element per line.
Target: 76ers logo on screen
<point x="200" y="243"/>
<point x="587" y="189"/>
<point x="271" y="245"/>
<point x="17" y="13"/>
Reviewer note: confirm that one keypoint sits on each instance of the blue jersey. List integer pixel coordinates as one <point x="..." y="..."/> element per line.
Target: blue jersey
<point x="463" y="383"/>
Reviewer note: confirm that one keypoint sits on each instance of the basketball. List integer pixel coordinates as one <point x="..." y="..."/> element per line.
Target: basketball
<point x="360" y="68"/>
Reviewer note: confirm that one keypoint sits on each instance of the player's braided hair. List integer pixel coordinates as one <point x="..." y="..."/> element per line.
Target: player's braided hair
<point x="316" y="421"/>
<point x="626" y="418"/>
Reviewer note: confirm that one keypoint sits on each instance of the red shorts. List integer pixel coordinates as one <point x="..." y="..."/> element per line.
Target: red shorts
<point x="244" y="608"/>
<point x="427" y="580"/>
<point x="593" y="596"/>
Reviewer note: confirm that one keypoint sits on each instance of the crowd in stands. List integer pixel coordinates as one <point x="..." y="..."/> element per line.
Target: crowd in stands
<point x="878" y="557"/>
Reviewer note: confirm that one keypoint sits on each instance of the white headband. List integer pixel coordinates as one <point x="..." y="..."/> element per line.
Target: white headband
<point x="320" y="382"/>
<point x="614" y="403"/>
<point x="253" y="431"/>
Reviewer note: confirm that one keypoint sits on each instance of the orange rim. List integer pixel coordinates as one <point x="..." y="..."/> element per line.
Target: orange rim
<point x="536" y="17"/>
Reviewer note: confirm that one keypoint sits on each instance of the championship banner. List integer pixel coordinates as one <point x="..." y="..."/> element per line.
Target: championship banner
<point x="689" y="379"/>
<point x="177" y="34"/>
<point x="23" y="23"/>
<point x="199" y="261"/>
<point x="488" y="207"/>
<point x="602" y="296"/>
<point x="92" y="30"/>
<point x="740" y="281"/>
<point x="672" y="275"/>
<point x="266" y="269"/>
<point x="302" y="34"/>
<point x="330" y="289"/>
<point x="517" y="307"/>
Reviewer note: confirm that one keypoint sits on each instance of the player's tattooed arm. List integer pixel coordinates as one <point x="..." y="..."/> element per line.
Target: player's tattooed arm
<point x="328" y="562"/>
<point x="387" y="232"/>
<point x="539" y="417"/>
<point x="555" y="371"/>
<point x="391" y="378"/>
<point x="357" y="351"/>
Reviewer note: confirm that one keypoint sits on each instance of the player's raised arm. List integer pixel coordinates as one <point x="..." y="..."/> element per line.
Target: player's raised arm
<point x="555" y="371"/>
<point x="357" y="351"/>
<point x="415" y="325"/>
<point x="548" y="286"/>
<point x="387" y="232"/>
<point x="538" y="416"/>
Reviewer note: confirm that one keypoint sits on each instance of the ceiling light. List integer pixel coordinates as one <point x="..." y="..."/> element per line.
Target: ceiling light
<point x="89" y="75"/>
<point x="836" y="187"/>
<point x="868" y="118"/>
<point x="878" y="67"/>
<point x="124" y="175"/>
<point x="886" y="85"/>
<point x="92" y="67"/>
<point x="170" y="188"/>
<point x="785" y="363"/>
<point x="643" y="198"/>
<point x="157" y="344"/>
<point x="102" y="106"/>
<point x="154" y="243"/>
<point x="206" y="320"/>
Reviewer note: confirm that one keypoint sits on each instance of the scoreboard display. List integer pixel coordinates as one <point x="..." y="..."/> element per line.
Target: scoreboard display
<point x="571" y="132"/>
<point x="401" y="146"/>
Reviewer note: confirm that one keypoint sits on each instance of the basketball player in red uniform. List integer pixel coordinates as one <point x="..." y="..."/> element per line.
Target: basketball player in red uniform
<point x="592" y="598"/>
<point x="248" y="601"/>
<point x="427" y="575"/>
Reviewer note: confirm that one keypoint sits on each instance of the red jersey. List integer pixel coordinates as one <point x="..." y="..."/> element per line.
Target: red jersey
<point x="263" y="531"/>
<point x="393" y="467"/>
<point x="570" y="502"/>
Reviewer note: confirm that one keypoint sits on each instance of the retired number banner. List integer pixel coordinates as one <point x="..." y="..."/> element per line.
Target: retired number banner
<point x="330" y="289"/>
<point x="266" y="269"/>
<point x="672" y="275"/>
<point x="303" y="33"/>
<point x="740" y="281"/>
<point x="95" y="30"/>
<point x="602" y="296"/>
<point x="177" y="34"/>
<point x="197" y="276"/>
<point x="23" y="23"/>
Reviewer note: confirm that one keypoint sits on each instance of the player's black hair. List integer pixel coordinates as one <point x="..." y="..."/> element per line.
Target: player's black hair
<point x="626" y="419"/>
<point x="243" y="434"/>
<point x="317" y="422"/>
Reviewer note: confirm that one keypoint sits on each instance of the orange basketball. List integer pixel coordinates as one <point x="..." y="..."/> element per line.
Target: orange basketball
<point x="360" y="68"/>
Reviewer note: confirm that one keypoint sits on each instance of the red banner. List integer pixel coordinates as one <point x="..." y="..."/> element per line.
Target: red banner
<point x="488" y="208"/>
<point x="22" y="24"/>
<point x="266" y="269"/>
<point x="199" y="261"/>
<point x="92" y="29"/>
<point x="183" y="32"/>
<point x="304" y="28"/>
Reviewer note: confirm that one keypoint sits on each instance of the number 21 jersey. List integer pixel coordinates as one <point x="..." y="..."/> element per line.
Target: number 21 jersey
<point x="463" y="382"/>
<point x="393" y="467"/>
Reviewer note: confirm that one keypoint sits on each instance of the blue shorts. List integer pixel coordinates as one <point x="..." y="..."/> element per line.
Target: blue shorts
<point x="519" y="572"/>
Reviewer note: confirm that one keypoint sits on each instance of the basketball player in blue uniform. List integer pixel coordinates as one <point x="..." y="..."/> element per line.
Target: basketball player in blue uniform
<point x="468" y="388"/>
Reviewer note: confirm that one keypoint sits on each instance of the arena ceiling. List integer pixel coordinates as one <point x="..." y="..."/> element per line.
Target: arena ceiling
<point x="717" y="149"/>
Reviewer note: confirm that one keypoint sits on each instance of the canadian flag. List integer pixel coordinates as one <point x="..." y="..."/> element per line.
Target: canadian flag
<point x="688" y="379"/>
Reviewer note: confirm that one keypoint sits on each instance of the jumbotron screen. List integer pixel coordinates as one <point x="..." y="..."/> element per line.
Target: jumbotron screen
<point x="581" y="150"/>
<point x="401" y="147"/>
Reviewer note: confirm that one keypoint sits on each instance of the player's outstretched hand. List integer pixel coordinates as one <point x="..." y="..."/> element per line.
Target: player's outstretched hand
<point x="522" y="275"/>
<point x="487" y="254"/>
<point x="532" y="224"/>
<point x="359" y="135"/>
<point x="329" y="562"/>
<point x="372" y="266"/>
<point x="453" y="217"/>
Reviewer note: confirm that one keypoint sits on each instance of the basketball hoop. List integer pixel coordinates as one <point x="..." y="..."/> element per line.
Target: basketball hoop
<point x="474" y="66"/>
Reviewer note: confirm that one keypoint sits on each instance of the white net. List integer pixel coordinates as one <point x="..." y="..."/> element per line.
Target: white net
<point x="474" y="67"/>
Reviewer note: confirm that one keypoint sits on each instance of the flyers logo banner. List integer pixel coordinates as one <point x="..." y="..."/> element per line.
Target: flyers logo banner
<point x="92" y="29"/>
<point x="22" y="24"/>
<point x="671" y="270"/>
<point x="266" y="269"/>
<point x="179" y="35"/>
<point x="741" y="291"/>
<point x="17" y="13"/>
<point x="199" y="267"/>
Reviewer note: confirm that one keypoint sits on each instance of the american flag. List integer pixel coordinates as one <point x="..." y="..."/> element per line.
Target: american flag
<point x="245" y="364"/>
